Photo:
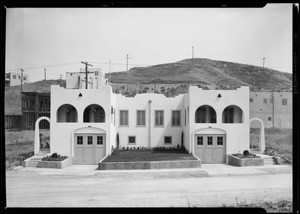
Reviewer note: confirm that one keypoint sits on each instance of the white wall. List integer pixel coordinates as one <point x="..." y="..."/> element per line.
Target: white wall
<point x="237" y="137"/>
<point x="17" y="81"/>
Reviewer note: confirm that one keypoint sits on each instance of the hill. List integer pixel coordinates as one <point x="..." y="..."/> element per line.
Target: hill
<point x="12" y="99"/>
<point x="206" y="72"/>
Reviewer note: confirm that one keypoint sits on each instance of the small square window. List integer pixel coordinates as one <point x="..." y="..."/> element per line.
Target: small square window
<point x="251" y="100"/>
<point x="265" y="100"/>
<point x="200" y="141"/>
<point x="220" y="140"/>
<point x="99" y="140"/>
<point x="24" y="78"/>
<point x="14" y="76"/>
<point x="269" y="118"/>
<point x="209" y="141"/>
<point x="284" y="102"/>
<point x="168" y="140"/>
<point x="79" y="140"/>
<point x="131" y="140"/>
<point x="90" y="140"/>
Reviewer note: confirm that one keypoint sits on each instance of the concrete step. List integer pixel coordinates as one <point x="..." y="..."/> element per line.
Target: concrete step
<point x="36" y="158"/>
<point x="32" y="164"/>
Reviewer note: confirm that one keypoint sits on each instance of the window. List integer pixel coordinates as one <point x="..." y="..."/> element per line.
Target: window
<point x="209" y="141"/>
<point x="131" y="140"/>
<point x="251" y="100"/>
<point x="219" y="140"/>
<point x="66" y="113"/>
<point x="284" y="102"/>
<point x="205" y="114"/>
<point x="265" y="100"/>
<point x="14" y="76"/>
<point x="269" y="118"/>
<point x="140" y="118"/>
<point x="124" y="118"/>
<point x="90" y="140"/>
<point x="24" y="78"/>
<point x="99" y="140"/>
<point x="168" y="140"/>
<point x="175" y="118"/>
<point x="271" y="100"/>
<point x="159" y="118"/>
<point x="200" y="141"/>
<point x="79" y="140"/>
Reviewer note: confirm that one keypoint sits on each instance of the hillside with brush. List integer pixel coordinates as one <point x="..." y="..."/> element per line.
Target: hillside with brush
<point x="206" y="72"/>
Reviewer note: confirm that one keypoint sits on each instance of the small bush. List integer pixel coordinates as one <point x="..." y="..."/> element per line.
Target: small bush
<point x="54" y="155"/>
<point x="246" y="153"/>
<point x="56" y="158"/>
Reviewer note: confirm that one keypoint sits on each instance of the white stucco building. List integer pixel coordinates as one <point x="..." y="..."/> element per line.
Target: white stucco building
<point x="14" y="78"/>
<point x="85" y="122"/>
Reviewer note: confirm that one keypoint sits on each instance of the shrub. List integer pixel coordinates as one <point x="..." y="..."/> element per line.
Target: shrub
<point x="54" y="155"/>
<point x="246" y="153"/>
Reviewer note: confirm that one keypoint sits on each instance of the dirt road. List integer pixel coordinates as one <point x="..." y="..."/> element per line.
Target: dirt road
<point x="32" y="189"/>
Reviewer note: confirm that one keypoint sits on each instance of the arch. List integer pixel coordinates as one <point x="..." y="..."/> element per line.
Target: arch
<point x="37" y="135"/>
<point x="89" y="130"/>
<point x="66" y="114"/>
<point x="232" y="114"/>
<point x="205" y="114"/>
<point x="210" y="131"/>
<point x="94" y="113"/>
<point x="262" y="133"/>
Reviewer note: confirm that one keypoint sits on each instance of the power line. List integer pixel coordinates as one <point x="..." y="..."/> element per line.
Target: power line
<point x="46" y="66"/>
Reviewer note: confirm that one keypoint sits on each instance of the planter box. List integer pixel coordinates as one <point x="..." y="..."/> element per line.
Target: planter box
<point x="235" y="161"/>
<point x="55" y="164"/>
<point x="149" y="165"/>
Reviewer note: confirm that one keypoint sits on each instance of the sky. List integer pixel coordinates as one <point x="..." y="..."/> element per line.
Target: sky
<point x="59" y="39"/>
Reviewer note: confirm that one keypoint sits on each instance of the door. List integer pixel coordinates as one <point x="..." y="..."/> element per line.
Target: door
<point x="89" y="148"/>
<point x="210" y="148"/>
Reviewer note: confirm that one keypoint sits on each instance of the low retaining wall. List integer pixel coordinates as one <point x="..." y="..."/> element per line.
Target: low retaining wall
<point x="235" y="161"/>
<point x="149" y="165"/>
<point x="55" y="164"/>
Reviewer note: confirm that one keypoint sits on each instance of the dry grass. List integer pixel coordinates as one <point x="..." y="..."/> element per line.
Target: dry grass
<point x="136" y="156"/>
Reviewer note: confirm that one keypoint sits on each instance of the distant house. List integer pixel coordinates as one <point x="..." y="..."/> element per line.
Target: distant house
<point x="13" y="78"/>
<point x="84" y="122"/>
<point x="273" y="108"/>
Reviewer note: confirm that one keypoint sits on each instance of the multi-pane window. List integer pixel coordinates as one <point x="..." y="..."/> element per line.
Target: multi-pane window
<point x="159" y="118"/>
<point x="251" y="100"/>
<point x="219" y="140"/>
<point x="140" y="118"/>
<point x="265" y="100"/>
<point x="209" y="141"/>
<point x="284" y="102"/>
<point x="200" y="140"/>
<point x="269" y="118"/>
<point x="176" y="118"/>
<point x="168" y="140"/>
<point x="99" y="140"/>
<point x="79" y="140"/>
<point x="131" y="140"/>
<point x="90" y="140"/>
<point x="124" y="118"/>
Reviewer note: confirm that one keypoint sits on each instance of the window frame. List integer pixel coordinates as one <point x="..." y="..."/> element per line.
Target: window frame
<point x="219" y="137"/>
<point x="284" y="101"/>
<point x="251" y="100"/>
<point x="88" y="140"/>
<point x="212" y="140"/>
<point x="159" y="125"/>
<point x="124" y="125"/>
<point x="171" y="143"/>
<point x="179" y="119"/>
<point x="131" y="136"/>
<point x="77" y="140"/>
<point x="141" y="119"/>
<point x="198" y="140"/>
<point x="97" y="140"/>
<point x="265" y="100"/>
<point x="269" y="118"/>
<point x="14" y="77"/>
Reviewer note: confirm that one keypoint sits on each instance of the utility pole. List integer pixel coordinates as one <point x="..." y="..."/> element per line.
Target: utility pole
<point x="45" y="73"/>
<point x="273" y="115"/>
<point x="127" y="62"/>
<point x="86" y="73"/>
<point x="21" y="79"/>
<point x="264" y="63"/>
<point x="60" y="76"/>
<point x="109" y="70"/>
<point x="192" y="52"/>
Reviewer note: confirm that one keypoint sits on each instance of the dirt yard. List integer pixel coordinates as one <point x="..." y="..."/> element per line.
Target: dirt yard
<point x="19" y="146"/>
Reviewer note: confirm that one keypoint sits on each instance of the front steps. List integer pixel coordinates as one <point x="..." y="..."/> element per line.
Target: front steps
<point x="33" y="161"/>
<point x="268" y="160"/>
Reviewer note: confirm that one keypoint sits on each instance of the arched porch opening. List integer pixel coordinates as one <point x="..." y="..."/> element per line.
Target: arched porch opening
<point x="257" y="135"/>
<point x="41" y="146"/>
